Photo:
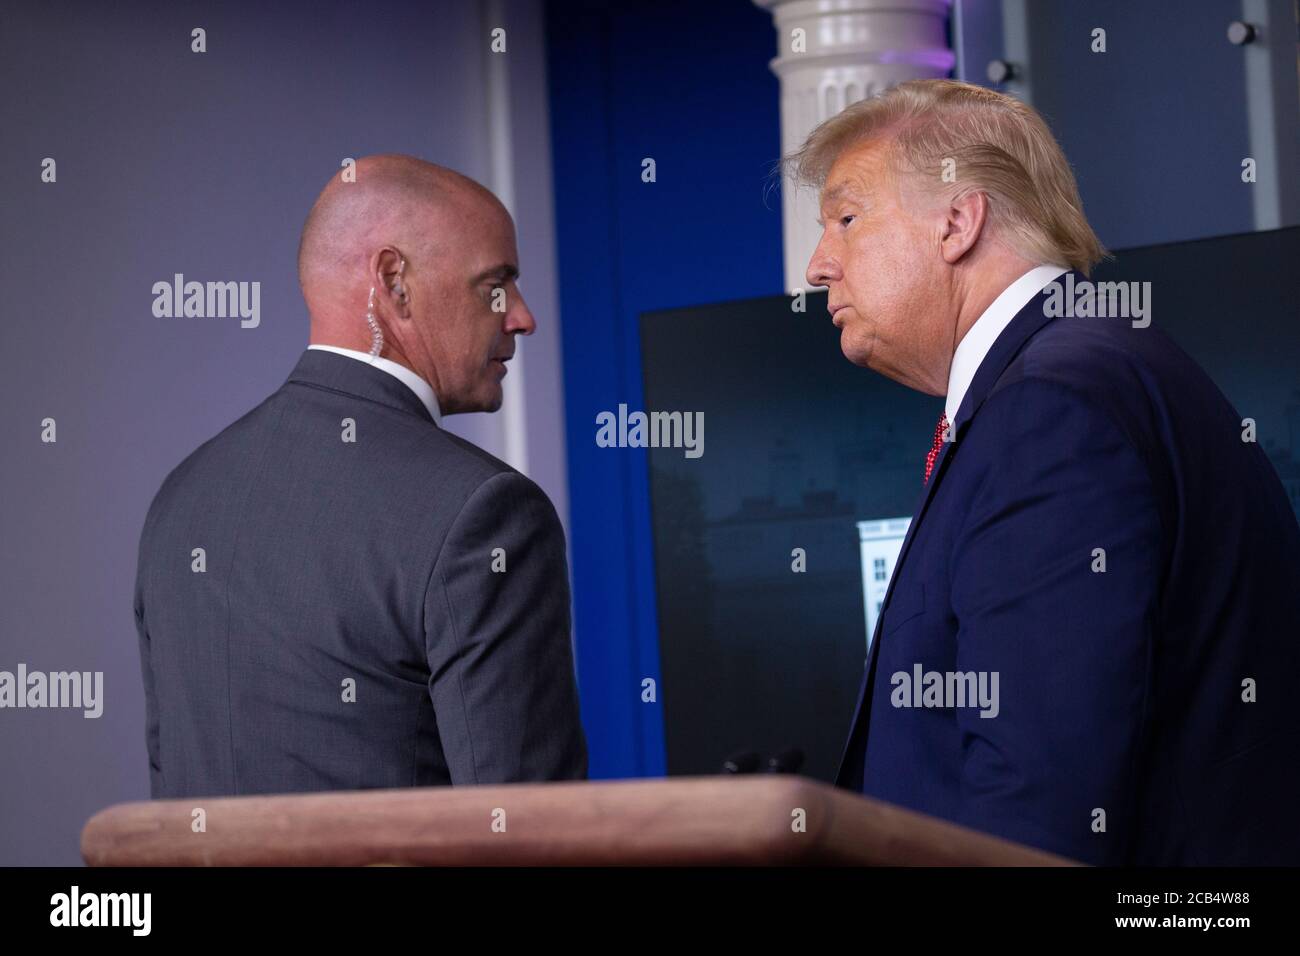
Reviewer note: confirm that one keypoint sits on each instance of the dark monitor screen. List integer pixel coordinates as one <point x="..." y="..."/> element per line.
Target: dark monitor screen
<point x="773" y="547"/>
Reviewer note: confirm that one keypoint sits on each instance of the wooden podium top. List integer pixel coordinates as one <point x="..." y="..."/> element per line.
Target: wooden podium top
<point x="746" y="821"/>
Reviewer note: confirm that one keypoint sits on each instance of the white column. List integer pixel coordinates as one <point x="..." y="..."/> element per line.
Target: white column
<point x="501" y="156"/>
<point x="507" y="127"/>
<point x="830" y="54"/>
<point x="1269" y="61"/>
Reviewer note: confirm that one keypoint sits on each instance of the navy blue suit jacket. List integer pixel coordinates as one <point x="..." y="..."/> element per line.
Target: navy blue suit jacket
<point x="1146" y="712"/>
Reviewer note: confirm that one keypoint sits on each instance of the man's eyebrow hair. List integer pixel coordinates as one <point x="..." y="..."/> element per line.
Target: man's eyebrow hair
<point x="505" y="271"/>
<point x="839" y="190"/>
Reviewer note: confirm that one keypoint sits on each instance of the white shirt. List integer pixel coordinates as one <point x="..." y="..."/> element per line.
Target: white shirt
<point x="422" y="389"/>
<point x="979" y="338"/>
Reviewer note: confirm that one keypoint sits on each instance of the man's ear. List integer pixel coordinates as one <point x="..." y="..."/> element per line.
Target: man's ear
<point x="963" y="224"/>
<point x="389" y="269"/>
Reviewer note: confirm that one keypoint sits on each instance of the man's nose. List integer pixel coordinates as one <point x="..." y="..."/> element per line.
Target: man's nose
<point x="822" y="267"/>
<point x="520" y="318"/>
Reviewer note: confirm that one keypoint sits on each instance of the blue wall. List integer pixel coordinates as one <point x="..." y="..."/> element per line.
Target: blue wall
<point x="1156" y="126"/>
<point x="630" y="81"/>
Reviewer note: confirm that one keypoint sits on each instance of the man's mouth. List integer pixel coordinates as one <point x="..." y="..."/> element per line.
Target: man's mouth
<point x="834" y="310"/>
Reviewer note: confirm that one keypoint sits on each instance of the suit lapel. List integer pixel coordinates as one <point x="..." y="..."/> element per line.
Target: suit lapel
<point x="1006" y="347"/>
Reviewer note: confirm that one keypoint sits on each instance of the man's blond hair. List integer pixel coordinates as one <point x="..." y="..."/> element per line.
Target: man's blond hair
<point x="998" y="146"/>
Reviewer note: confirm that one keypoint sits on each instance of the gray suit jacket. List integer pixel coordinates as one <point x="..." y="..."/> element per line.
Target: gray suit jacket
<point x="347" y="624"/>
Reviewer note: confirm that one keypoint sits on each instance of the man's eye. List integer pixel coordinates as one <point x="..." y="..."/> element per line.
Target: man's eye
<point x="845" y="220"/>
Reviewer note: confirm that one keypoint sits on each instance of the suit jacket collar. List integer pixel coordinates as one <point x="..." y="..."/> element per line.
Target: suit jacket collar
<point x="979" y="338"/>
<point x="339" y="373"/>
<point x="1006" y="347"/>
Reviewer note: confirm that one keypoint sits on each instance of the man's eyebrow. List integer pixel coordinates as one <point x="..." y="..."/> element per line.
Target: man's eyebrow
<point x="505" y="271"/>
<point x="839" y="191"/>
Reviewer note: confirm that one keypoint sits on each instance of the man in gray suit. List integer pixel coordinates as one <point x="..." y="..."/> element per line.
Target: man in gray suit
<point x="335" y="593"/>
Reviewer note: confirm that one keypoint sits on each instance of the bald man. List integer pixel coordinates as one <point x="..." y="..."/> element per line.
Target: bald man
<point x="335" y="593"/>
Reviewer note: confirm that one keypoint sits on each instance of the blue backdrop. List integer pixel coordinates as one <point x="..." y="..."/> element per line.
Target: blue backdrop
<point x="628" y="82"/>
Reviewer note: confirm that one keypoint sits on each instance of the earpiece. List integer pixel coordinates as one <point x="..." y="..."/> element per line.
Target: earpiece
<point x="397" y="286"/>
<point x="376" y="333"/>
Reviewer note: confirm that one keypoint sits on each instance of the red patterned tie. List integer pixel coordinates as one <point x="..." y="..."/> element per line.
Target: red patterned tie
<point x="935" y="448"/>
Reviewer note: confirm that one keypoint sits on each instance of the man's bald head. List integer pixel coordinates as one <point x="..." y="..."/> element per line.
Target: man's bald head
<point x="394" y="199"/>
<point x="438" y="251"/>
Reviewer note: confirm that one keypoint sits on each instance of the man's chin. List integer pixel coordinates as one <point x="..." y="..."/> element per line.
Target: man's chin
<point x="855" y="350"/>
<point x="490" y="401"/>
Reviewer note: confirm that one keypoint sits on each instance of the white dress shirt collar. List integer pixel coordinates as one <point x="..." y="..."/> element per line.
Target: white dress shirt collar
<point x="422" y="389"/>
<point x="979" y="338"/>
